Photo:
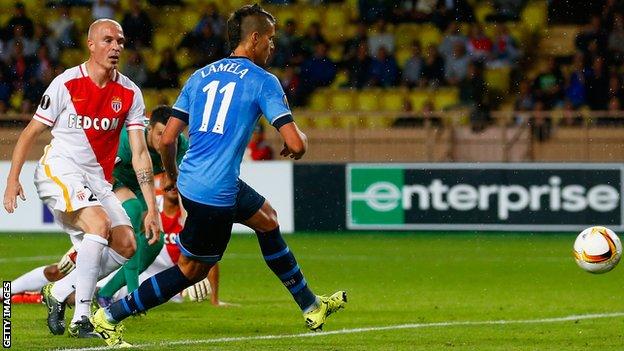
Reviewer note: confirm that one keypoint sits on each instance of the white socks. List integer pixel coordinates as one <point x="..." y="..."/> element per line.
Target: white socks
<point x="87" y="272"/>
<point x="92" y="246"/>
<point x="31" y="281"/>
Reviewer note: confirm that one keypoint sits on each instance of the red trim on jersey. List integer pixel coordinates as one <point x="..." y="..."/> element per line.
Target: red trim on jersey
<point x="171" y="227"/>
<point x="136" y="125"/>
<point x="94" y="106"/>
<point x="47" y="120"/>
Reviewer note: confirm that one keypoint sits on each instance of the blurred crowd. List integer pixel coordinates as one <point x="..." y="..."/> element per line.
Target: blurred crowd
<point x="30" y="52"/>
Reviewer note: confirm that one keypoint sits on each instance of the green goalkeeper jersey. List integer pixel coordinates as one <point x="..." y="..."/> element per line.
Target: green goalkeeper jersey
<point x="124" y="174"/>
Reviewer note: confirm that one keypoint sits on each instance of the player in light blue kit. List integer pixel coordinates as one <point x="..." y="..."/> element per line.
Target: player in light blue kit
<point x="221" y="103"/>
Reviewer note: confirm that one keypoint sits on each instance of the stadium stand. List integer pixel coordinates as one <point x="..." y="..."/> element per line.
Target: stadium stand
<point x="567" y="66"/>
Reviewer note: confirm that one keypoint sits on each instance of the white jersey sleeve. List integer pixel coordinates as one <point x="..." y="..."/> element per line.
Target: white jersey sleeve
<point x="136" y="115"/>
<point x="53" y="102"/>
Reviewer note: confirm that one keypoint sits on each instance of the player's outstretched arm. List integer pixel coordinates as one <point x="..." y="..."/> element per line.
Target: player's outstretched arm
<point x="295" y="142"/>
<point x="142" y="164"/>
<point x="23" y="146"/>
<point x="168" y="150"/>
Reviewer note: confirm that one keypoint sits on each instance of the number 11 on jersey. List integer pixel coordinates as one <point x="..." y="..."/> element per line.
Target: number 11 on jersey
<point x="211" y="89"/>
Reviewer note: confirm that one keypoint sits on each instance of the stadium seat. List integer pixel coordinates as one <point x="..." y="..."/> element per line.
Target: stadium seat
<point x="189" y="19"/>
<point x="482" y="9"/>
<point x="402" y="55"/>
<point x="418" y="98"/>
<point x="497" y="78"/>
<point x="342" y="100"/>
<point x="348" y="121"/>
<point x="183" y="58"/>
<point x="151" y="58"/>
<point x="72" y="57"/>
<point x="368" y="99"/>
<point x="534" y="15"/>
<point x="444" y="98"/>
<point x="334" y="22"/>
<point x="318" y="100"/>
<point x="405" y="33"/>
<point x="393" y="99"/>
<point x="429" y="35"/>
<point x="559" y="40"/>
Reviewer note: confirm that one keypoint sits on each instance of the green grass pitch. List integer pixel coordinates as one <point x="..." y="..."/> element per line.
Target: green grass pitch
<point x="416" y="291"/>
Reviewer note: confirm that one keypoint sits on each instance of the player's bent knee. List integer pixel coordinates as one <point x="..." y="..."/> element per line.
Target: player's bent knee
<point x="122" y="241"/>
<point x="194" y="270"/>
<point x="52" y="273"/>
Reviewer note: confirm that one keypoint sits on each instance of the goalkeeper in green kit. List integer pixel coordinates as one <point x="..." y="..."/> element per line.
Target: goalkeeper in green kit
<point x="127" y="190"/>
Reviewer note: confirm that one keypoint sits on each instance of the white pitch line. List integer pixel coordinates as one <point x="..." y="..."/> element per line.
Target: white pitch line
<point x="367" y="329"/>
<point x="28" y="258"/>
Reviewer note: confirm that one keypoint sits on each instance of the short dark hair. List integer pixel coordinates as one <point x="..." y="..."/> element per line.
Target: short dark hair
<point x="160" y="115"/>
<point x="235" y="30"/>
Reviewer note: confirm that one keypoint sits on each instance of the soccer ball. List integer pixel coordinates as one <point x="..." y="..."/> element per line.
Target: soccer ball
<point x="597" y="249"/>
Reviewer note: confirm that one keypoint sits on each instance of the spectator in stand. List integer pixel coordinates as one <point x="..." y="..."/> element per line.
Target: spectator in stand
<point x="6" y="88"/>
<point x="575" y="89"/>
<point x="407" y="118"/>
<point x="211" y="17"/>
<point x="380" y="37"/>
<point x="429" y="116"/>
<point x="593" y="32"/>
<point x="288" y="50"/>
<point x="506" y="11"/>
<point x="205" y="47"/>
<point x="135" y="68"/>
<point x="615" y="87"/>
<point x="63" y="28"/>
<point x="450" y="11"/>
<point x="540" y="123"/>
<point x="413" y="68"/>
<point x="570" y="117"/>
<point x="20" y="66"/>
<point x="35" y="88"/>
<point x="472" y="88"/>
<point x="433" y="68"/>
<point x="616" y="39"/>
<point x="479" y="45"/>
<point x="43" y="63"/>
<point x="371" y="10"/>
<point x="456" y="66"/>
<point x="258" y="149"/>
<point x="104" y="9"/>
<point x="359" y="68"/>
<point x="351" y="45"/>
<point x="137" y="27"/>
<point x="290" y="83"/>
<point x="505" y="51"/>
<point x="317" y="71"/>
<point x="312" y="37"/>
<point x="43" y="37"/>
<point x="597" y="85"/>
<point x="167" y="74"/>
<point x="21" y="19"/>
<point x="28" y="46"/>
<point x="614" y="115"/>
<point x="525" y="100"/>
<point x="548" y="86"/>
<point x="384" y="69"/>
<point x="452" y="36"/>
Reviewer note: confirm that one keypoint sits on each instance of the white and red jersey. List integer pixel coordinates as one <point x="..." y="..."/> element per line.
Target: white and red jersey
<point x="86" y="120"/>
<point x="172" y="226"/>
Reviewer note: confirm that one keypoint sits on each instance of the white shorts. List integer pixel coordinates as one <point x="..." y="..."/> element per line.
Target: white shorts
<point x="65" y="189"/>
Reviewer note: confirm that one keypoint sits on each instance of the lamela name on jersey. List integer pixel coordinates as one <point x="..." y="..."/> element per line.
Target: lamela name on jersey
<point x="97" y="123"/>
<point x="233" y="68"/>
